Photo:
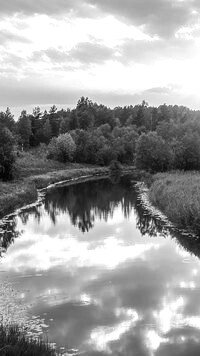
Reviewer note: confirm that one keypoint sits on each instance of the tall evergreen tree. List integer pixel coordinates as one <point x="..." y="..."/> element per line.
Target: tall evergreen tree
<point x="24" y="129"/>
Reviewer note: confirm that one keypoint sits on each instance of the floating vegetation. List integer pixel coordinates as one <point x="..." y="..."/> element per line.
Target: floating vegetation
<point x="21" y="334"/>
<point x="13" y="311"/>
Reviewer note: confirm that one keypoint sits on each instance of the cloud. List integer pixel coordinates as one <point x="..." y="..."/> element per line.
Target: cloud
<point x="29" y="91"/>
<point x="46" y="7"/>
<point x="28" y="94"/>
<point x="38" y="92"/>
<point x="7" y="36"/>
<point x="32" y="92"/>
<point x="142" y="51"/>
<point x="158" y="90"/>
<point x="10" y="62"/>
<point x="39" y="6"/>
<point x="85" y="53"/>
<point x="53" y="54"/>
<point x="160" y="17"/>
<point x="129" y="51"/>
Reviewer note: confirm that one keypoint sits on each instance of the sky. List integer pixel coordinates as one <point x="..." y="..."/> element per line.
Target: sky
<point x="115" y="52"/>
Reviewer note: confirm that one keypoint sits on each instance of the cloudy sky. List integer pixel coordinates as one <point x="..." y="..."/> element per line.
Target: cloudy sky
<point x="116" y="52"/>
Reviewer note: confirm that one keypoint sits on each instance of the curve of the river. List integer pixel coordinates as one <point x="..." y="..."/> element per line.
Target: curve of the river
<point x="103" y="274"/>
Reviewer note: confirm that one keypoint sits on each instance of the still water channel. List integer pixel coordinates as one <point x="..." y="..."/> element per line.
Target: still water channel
<point x="108" y="278"/>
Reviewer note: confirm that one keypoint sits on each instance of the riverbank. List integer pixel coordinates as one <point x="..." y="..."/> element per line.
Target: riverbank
<point x="177" y="195"/>
<point x="33" y="171"/>
<point x="20" y="192"/>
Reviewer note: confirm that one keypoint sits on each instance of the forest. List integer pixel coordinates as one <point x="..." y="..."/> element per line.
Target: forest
<point x="155" y="139"/>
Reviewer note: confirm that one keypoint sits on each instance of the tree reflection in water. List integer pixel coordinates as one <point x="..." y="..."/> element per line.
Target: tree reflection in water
<point x="8" y="235"/>
<point x="85" y="202"/>
<point x="88" y="201"/>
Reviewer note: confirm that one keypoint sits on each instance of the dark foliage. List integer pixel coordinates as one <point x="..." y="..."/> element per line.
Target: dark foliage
<point x="7" y="155"/>
<point x="156" y="139"/>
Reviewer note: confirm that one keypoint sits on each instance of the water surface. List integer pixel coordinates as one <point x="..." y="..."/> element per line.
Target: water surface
<point x="107" y="278"/>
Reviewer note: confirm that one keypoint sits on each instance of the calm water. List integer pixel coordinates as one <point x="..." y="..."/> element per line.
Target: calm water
<point x="107" y="278"/>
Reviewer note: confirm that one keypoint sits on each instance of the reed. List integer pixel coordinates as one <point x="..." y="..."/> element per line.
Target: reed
<point x="14" y="342"/>
<point x="177" y="195"/>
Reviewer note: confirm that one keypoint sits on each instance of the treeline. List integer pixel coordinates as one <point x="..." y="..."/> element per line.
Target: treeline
<point x="155" y="139"/>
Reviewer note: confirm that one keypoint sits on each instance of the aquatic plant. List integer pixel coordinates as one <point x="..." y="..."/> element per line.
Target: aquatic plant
<point x="14" y="342"/>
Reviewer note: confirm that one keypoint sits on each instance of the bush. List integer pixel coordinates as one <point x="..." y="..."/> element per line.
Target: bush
<point x="115" y="166"/>
<point x="153" y="153"/>
<point x="62" y="148"/>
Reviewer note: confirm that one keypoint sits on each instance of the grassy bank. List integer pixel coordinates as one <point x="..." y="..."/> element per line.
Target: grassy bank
<point x="177" y="195"/>
<point x="15" y="194"/>
<point x="32" y="171"/>
<point x="43" y="180"/>
<point x="14" y="343"/>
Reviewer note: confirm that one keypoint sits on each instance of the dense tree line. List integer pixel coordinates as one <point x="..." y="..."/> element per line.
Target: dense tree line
<point x="155" y="139"/>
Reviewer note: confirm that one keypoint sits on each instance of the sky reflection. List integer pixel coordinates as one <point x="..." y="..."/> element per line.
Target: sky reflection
<point x="105" y="287"/>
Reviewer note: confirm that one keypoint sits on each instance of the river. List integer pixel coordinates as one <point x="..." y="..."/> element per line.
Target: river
<point x="106" y="277"/>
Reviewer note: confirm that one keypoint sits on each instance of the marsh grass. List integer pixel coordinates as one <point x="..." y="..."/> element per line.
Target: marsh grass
<point x="177" y="195"/>
<point x="13" y="342"/>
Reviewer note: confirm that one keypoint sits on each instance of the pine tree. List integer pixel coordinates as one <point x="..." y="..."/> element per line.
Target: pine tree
<point x="24" y="129"/>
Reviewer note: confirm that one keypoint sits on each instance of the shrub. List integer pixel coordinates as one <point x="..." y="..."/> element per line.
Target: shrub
<point x="115" y="167"/>
<point x="62" y="148"/>
<point x="153" y="153"/>
<point x="105" y="155"/>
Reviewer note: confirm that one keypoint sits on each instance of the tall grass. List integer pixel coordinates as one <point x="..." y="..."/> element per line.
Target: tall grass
<point x="34" y="162"/>
<point x="177" y="195"/>
<point x="14" y="343"/>
<point x="14" y="194"/>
